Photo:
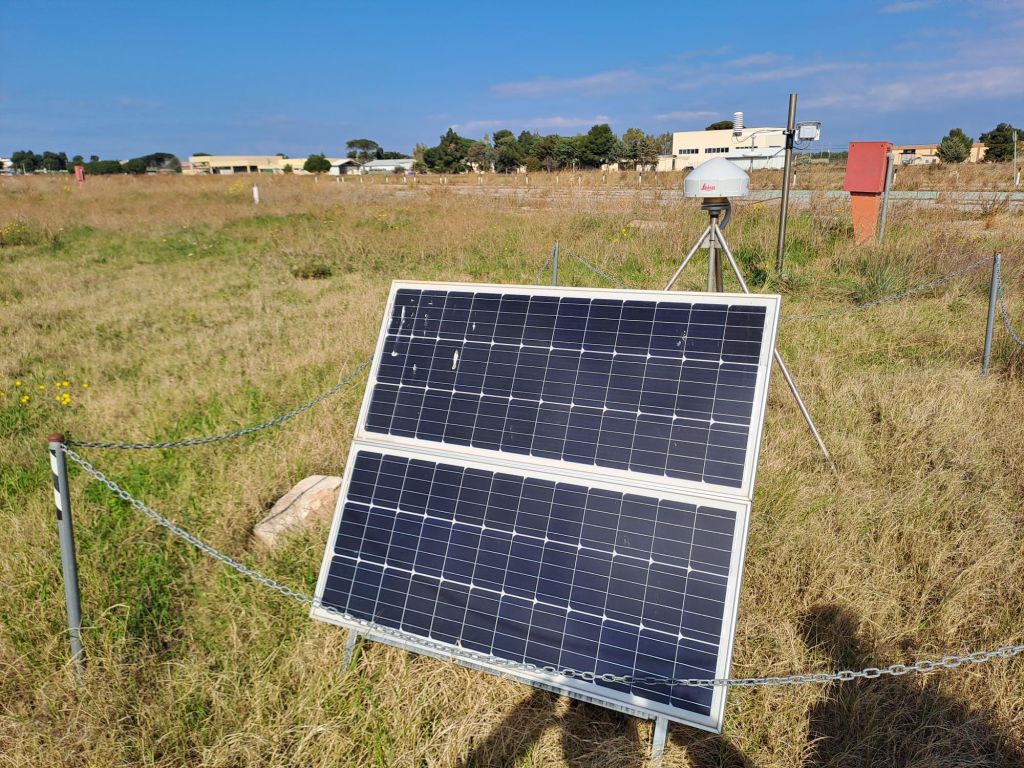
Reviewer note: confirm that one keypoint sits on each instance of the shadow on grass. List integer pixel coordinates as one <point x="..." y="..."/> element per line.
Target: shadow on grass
<point x="592" y="737"/>
<point x="902" y="721"/>
<point x="883" y="722"/>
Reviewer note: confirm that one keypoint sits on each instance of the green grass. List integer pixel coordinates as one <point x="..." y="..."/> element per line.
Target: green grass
<point x="180" y="306"/>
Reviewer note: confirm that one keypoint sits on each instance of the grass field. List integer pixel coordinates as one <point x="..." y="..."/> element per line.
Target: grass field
<point x="160" y="308"/>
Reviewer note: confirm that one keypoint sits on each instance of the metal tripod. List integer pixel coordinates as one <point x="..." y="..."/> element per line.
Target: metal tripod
<point x="717" y="245"/>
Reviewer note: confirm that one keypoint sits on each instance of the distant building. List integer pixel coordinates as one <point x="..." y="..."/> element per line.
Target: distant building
<point x="388" y="166"/>
<point x="226" y="165"/>
<point x="6" y="164"/>
<point x="928" y="154"/>
<point x="750" y="149"/>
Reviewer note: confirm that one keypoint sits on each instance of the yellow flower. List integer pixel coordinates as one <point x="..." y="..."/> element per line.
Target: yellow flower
<point x="42" y="387"/>
<point x="65" y="384"/>
<point x="85" y="385"/>
<point x="25" y="399"/>
<point x="17" y="383"/>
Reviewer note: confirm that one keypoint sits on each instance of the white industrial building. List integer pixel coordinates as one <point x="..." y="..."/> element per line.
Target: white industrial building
<point x="749" y="148"/>
<point x="399" y="165"/>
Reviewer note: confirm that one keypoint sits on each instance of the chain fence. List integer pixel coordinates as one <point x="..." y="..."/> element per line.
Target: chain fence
<point x="363" y="626"/>
<point x="274" y="422"/>
<point x="920" y="288"/>
<point x="1004" y="312"/>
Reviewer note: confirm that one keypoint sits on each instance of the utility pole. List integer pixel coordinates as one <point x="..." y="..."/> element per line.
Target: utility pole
<point x="780" y="252"/>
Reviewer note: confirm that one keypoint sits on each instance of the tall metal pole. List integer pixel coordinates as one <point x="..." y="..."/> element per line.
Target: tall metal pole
<point x="554" y="264"/>
<point x="66" y="531"/>
<point x="1016" y="175"/>
<point x="780" y="251"/>
<point x="885" y="195"/>
<point x="715" y="281"/>
<point x="993" y="298"/>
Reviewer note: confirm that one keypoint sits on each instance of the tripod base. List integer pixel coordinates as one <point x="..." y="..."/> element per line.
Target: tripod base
<point x="714" y="240"/>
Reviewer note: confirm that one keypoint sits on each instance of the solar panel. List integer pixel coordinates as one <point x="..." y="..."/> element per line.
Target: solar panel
<point x="557" y="478"/>
<point x="540" y="570"/>
<point x="664" y="387"/>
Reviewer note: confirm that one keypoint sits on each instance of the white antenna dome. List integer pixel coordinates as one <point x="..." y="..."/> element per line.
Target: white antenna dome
<point x="717" y="178"/>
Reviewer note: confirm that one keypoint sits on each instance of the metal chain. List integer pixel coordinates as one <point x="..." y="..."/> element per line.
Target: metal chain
<point x="278" y="420"/>
<point x="1005" y="313"/>
<point x="895" y="296"/>
<point x="598" y="272"/>
<point x="372" y="628"/>
<point x="542" y="270"/>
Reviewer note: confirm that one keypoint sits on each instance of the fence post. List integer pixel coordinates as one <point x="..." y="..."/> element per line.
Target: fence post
<point x="66" y="531"/>
<point x="993" y="297"/>
<point x="554" y="264"/>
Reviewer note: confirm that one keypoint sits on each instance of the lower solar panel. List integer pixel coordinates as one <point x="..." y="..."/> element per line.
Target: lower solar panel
<point x="542" y="570"/>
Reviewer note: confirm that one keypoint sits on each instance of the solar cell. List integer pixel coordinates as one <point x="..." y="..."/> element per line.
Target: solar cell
<point x="665" y="387"/>
<point x="558" y="478"/>
<point x="537" y="570"/>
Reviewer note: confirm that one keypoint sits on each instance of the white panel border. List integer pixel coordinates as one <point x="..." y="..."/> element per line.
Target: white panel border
<point x="770" y="302"/>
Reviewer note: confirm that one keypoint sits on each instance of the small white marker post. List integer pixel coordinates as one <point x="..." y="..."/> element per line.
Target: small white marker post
<point x="255" y="194"/>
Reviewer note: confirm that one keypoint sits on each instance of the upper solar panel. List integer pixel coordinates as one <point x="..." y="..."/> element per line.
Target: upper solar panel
<point x="663" y="386"/>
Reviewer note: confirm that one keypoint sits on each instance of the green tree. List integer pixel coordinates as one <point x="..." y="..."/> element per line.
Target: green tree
<point x="449" y="156"/>
<point x="389" y="155"/>
<point x="94" y="158"/>
<point x="288" y="168"/>
<point x="721" y="125"/>
<point x="26" y="161"/>
<point x="955" y="147"/>
<point x="317" y="164"/>
<point x="507" y="155"/>
<point x="545" y="151"/>
<point x="999" y="143"/>
<point x="599" y="146"/>
<point x="664" y="141"/>
<point x="362" y="150"/>
<point x="137" y="166"/>
<point x="54" y="161"/>
<point x="639" y="149"/>
<point x="103" y="167"/>
<point x="527" y="142"/>
<point x="77" y="159"/>
<point x="568" y="150"/>
<point x="481" y="154"/>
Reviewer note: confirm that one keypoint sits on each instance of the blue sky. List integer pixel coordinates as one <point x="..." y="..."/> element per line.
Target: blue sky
<point x="123" y="79"/>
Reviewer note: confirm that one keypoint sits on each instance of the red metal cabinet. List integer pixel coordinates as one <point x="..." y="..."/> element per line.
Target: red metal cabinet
<point x="865" y="167"/>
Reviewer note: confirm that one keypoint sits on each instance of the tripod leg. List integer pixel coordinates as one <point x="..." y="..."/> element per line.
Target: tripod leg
<point x="778" y="358"/>
<point x="686" y="261"/>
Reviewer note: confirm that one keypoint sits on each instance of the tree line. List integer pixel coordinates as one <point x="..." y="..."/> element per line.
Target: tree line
<point x="27" y="161"/>
<point x="505" y="152"/>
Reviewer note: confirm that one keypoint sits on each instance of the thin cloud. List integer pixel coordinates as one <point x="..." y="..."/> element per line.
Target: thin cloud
<point x="995" y="82"/>
<point x="906" y="7"/>
<point x="553" y="122"/>
<point x="756" y="60"/>
<point x="133" y="103"/>
<point x="686" y="115"/>
<point x="548" y="86"/>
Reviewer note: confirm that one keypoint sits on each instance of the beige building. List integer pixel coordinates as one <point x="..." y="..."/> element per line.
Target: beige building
<point x="928" y="154"/>
<point x="749" y="148"/>
<point x="201" y="165"/>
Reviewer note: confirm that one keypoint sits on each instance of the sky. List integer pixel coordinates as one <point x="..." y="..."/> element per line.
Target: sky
<point x="121" y="79"/>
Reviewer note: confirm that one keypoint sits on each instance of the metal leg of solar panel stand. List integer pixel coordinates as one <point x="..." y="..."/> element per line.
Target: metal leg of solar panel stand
<point x="658" y="742"/>
<point x="350" y="648"/>
<point x="554" y="264"/>
<point x="696" y="247"/>
<point x="778" y="358"/>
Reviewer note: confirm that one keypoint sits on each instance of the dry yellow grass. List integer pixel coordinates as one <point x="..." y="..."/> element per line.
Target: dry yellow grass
<point x="188" y="311"/>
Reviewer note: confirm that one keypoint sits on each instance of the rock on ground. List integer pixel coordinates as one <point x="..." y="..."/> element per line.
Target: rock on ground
<point x="309" y="502"/>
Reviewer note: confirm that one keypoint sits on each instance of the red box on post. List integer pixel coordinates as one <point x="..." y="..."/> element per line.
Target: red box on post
<point x="865" y="166"/>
